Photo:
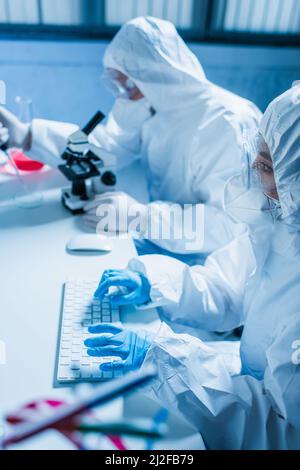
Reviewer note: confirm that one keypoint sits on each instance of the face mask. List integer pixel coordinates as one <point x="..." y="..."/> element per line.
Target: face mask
<point x="248" y="206"/>
<point x="253" y="208"/>
<point x="131" y="114"/>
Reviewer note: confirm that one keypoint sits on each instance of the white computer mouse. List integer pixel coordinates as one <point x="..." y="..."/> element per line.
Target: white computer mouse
<point x="90" y="243"/>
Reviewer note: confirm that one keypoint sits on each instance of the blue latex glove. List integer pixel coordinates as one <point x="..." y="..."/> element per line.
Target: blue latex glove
<point x="129" y="346"/>
<point x="137" y="286"/>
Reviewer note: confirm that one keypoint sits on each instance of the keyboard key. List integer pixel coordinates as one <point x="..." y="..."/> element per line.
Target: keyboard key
<point x="69" y="312"/>
<point x="86" y="372"/>
<point x="75" y="365"/>
<point x="63" y="372"/>
<point x="76" y="334"/>
<point x="67" y="330"/>
<point x="75" y="374"/>
<point x="64" y="361"/>
<point x="85" y="362"/>
<point x="64" y="353"/>
<point x="96" y="372"/>
<point x="76" y="357"/>
<point x="68" y="337"/>
<point x="77" y="327"/>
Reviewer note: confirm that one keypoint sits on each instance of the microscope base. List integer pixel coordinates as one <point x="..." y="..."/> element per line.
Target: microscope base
<point x="74" y="204"/>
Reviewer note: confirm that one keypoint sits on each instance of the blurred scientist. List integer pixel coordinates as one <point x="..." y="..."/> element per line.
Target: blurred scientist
<point x="187" y="130"/>
<point x="254" y="282"/>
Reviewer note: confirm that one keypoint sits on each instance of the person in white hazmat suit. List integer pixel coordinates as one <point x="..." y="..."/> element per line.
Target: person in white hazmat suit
<point x="252" y="402"/>
<point x="186" y="130"/>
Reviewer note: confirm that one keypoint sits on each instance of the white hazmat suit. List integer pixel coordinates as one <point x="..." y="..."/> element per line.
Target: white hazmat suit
<point x="255" y="282"/>
<point x="189" y="147"/>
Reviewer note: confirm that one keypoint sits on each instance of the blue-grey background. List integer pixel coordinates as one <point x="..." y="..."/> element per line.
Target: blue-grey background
<point x="63" y="77"/>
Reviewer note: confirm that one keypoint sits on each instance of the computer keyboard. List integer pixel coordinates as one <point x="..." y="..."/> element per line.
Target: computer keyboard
<point x="79" y="311"/>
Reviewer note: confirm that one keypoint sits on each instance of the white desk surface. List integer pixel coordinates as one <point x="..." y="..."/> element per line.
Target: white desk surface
<point x="34" y="266"/>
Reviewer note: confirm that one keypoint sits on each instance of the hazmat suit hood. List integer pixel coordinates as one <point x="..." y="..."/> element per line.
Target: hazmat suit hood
<point x="153" y="55"/>
<point x="280" y="128"/>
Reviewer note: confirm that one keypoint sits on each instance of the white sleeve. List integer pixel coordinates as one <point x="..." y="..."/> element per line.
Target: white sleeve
<point x="121" y="135"/>
<point x="198" y="228"/>
<point x="49" y="140"/>
<point x="230" y="411"/>
<point x="206" y="297"/>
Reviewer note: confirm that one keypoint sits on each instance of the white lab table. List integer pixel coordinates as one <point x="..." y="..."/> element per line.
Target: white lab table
<point x="34" y="266"/>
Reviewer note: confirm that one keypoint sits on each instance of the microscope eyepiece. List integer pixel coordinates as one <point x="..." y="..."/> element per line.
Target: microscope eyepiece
<point x="93" y="123"/>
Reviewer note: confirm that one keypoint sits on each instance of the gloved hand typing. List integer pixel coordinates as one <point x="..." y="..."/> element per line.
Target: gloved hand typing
<point x="136" y="292"/>
<point x="129" y="346"/>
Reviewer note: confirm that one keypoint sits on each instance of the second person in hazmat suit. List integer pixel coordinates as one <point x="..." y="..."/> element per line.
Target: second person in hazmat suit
<point x="187" y="131"/>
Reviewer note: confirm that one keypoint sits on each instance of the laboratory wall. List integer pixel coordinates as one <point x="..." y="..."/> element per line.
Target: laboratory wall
<point x="64" y="78"/>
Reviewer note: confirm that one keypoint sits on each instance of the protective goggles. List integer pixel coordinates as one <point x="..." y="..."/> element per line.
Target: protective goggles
<point x="120" y="85"/>
<point x="257" y="166"/>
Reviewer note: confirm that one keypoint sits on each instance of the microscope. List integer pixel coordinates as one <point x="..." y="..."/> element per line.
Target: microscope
<point x="90" y="169"/>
